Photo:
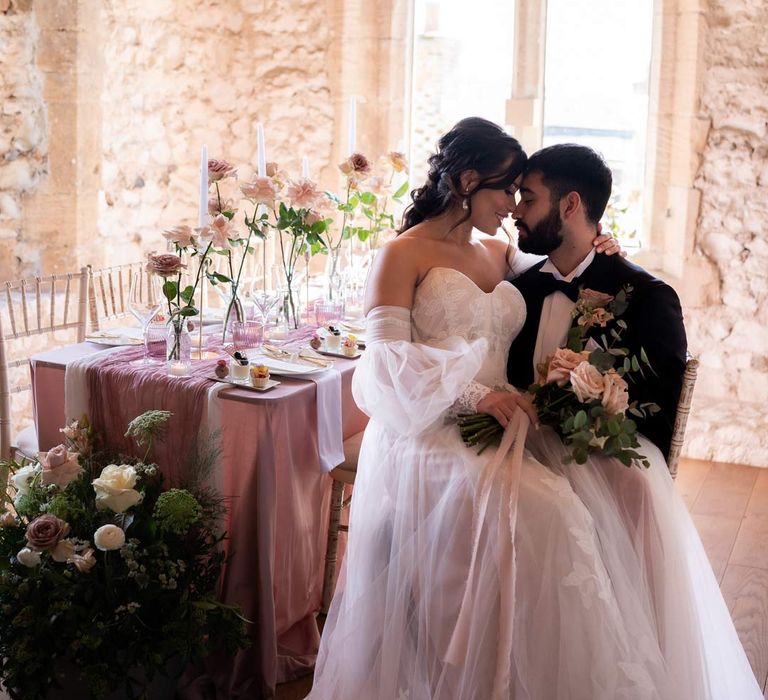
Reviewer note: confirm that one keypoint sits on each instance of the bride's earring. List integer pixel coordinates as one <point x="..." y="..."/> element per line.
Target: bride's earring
<point x="465" y="202"/>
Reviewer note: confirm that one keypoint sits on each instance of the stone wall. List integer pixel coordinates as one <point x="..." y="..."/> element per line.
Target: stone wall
<point x="133" y="90"/>
<point x="730" y="334"/>
<point x="23" y="130"/>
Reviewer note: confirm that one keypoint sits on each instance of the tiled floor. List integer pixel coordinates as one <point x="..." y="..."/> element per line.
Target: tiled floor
<point x="729" y="504"/>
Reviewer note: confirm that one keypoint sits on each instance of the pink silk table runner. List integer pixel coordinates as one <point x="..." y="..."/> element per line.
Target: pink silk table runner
<point x="277" y="490"/>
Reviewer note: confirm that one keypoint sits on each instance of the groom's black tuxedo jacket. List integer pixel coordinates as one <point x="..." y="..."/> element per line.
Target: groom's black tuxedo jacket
<point x="654" y="322"/>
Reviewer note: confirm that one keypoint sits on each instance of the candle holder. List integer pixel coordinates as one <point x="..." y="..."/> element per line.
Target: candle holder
<point x="178" y="345"/>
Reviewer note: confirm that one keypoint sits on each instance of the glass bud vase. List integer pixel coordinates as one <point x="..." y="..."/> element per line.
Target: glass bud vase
<point x="290" y="310"/>
<point x="178" y="347"/>
<point x="233" y="313"/>
<point x="335" y="278"/>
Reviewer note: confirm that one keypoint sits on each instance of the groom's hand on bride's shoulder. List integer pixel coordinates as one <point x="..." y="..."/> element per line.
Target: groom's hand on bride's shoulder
<point x="605" y="243"/>
<point x="503" y="404"/>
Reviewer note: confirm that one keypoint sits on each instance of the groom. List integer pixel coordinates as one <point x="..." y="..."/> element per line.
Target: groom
<point x="563" y="195"/>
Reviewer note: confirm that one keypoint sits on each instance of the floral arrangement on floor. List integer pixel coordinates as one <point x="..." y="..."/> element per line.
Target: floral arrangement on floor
<point x="582" y="391"/>
<point x="105" y="572"/>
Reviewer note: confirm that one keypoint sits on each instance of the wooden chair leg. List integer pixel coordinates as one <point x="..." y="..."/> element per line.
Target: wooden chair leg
<point x="337" y="503"/>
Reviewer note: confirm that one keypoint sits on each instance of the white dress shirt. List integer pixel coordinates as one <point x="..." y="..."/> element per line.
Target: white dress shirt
<point x="556" y="313"/>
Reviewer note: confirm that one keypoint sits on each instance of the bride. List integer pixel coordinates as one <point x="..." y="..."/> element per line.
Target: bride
<point x="502" y="575"/>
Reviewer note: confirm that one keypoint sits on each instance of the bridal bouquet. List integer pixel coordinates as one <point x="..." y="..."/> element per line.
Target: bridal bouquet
<point x="107" y="578"/>
<point x="582" y="389"/>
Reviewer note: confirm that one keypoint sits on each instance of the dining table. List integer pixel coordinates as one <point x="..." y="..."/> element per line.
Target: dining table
<point x="272" y="452"/>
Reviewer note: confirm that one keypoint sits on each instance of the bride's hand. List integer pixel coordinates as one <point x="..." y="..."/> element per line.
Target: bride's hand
<point x="502" y="405"/>
<point x="607" y="244"/>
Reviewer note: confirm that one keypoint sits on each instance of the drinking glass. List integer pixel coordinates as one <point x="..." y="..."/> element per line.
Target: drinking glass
<point x="327" y="310"/>
<point x="247" y="334"/>
<point x="145" y="297"/>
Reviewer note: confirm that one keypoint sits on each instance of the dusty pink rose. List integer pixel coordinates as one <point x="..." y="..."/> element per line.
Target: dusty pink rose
<point x="615" y="393"/>
<point x="45" y="532"/>
<point x="303" y="194"/>
<point x="182" y="236"/>
<point x="219" y="232"/>
<point x="218" y="206"/>
<point x="84" y="561"/>
<point x="395" y="160"/>
<point x="260" y="190"/>
<point x="357" y="167"/>
<point x="595" y="299"/>
<point x="586" y="381"/>
<point x="561" y="364"/>
<point x="596" y="317"/>
<point x="165" y="265"/>
<point x="60" y="466"/>
<point x="312" y="217"/>
<point x="219" y="169"/>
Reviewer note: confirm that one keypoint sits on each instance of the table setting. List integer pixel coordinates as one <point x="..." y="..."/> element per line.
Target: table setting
<point x="250" y="325"/>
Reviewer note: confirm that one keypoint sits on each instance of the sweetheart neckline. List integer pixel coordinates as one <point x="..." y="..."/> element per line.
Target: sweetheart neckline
<point x="466" y="277"/>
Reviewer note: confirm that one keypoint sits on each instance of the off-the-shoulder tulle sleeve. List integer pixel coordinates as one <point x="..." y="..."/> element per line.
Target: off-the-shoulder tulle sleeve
<point x="409" y="386"/>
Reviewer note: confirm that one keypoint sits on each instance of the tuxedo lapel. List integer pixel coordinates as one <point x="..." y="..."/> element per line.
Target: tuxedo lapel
<point x="520" y="359"/>
<point x="600" y="276"/>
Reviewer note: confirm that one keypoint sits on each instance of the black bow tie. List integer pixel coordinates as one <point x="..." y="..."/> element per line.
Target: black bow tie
<point x="547" y="284"/>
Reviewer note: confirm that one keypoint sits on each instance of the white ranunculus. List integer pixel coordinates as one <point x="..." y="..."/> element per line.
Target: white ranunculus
<point x="109" y="537"/>
<point x="28" y="557"/>
<point x="23" y="478"/>
<point x="114" y="488"/>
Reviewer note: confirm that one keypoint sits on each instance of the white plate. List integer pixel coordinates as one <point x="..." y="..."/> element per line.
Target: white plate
<point x="338" y="353"/>
<point x="117" y="336"/>
<point x="285" y="368"/>
<point x="244" y="383"/>
<point x="323" y="333"/>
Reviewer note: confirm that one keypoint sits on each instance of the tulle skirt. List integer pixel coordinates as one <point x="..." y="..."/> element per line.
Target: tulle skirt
<point x="613" y="595"/>
<point x="599" y="588"/>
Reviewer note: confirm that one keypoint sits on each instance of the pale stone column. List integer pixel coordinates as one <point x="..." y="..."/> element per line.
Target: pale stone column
<point x="677" y="134"/>
<point x="60" y="217"/>
<point x="370" y="58"/>
<point x="525" y="108"/>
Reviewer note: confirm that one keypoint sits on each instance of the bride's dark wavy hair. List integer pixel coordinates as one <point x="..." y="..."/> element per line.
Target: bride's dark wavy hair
<point x="473" y="144"/>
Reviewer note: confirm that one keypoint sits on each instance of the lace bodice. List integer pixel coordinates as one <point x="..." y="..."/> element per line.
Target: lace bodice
<point x="448" y="303"/>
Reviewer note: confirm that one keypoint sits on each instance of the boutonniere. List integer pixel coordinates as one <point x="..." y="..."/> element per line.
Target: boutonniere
<point x="596" y="310"/>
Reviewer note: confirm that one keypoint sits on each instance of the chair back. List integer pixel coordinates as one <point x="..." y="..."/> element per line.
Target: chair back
<point x="108" y="292"/>
<point x="681" y="416"/>
<point x="34" y="307"/>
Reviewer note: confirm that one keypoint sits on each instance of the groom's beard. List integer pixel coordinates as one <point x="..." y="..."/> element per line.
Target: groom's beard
<point x="544" y="237"/>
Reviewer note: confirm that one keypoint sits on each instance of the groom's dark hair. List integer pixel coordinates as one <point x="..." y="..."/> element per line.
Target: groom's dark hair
<point x="570" y="167"/>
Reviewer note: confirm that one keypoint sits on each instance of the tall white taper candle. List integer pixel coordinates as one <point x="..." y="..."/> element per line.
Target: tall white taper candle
<point x="262" y="150"/>
<point x="352" y="124"/>
<point x="202" y="218"/>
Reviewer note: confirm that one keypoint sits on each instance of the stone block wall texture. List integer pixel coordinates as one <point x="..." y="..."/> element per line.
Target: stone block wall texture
<point x="729" y="421"/>
<point x="23" y="131"/>
<point x="104" y="108"/>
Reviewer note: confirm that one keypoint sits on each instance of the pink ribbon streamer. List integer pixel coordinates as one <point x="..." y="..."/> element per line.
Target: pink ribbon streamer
<point x="506" y="472"/>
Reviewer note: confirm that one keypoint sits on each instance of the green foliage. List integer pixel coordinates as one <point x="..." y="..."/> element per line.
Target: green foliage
<point x="152" y="600"/>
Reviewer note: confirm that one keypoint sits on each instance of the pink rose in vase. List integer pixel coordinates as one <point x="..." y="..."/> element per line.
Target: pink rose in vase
<point x="165" y="265"/>
<point x="220" y="169"/>
<point x="303" y="194"/>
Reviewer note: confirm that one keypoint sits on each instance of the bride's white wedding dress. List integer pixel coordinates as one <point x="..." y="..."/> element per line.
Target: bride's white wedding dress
<point x="606" y="593"/>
